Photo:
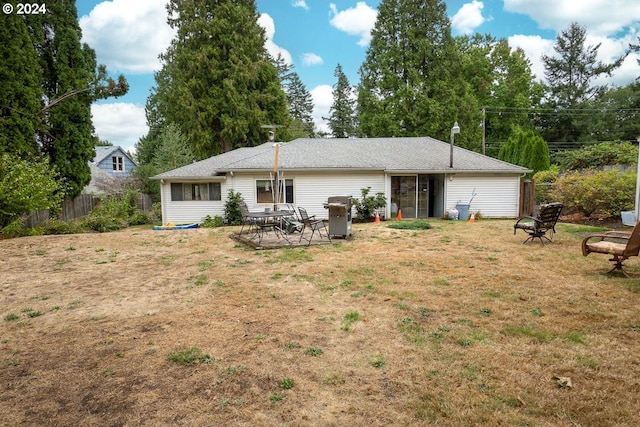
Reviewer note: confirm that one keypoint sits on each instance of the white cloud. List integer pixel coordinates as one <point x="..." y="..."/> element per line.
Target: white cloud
<point x="468" y="18"/>
<point x="356" y="21"/>
<point x="266" y="22"/>
<point x="119" y="123"/>
<point x="128" y="36"/>
<point x="322" y="99"/>
<point x="300" y="3"/>
<point x="534" y="47"/>
<point x="311" y="59"/>
<point x="611" y="23"/>
<point x="600" y="17"/>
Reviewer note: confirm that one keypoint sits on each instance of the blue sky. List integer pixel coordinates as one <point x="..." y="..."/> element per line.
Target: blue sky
<point x="316" y="35"/>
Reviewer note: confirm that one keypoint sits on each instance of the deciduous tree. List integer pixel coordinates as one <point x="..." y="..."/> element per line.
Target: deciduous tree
<point x="26" y="186"/>
<point x="502" y="81"/>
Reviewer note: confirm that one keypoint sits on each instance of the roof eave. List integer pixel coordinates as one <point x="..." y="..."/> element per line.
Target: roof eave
<point x="213" y="178"/>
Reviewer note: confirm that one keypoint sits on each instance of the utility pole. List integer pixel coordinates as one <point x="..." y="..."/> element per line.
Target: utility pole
<point x="277" y="183"/>
<point x="484" y="131"/>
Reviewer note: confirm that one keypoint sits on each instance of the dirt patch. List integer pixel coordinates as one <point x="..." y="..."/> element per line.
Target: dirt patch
<point x="595" y="220"/>
<point x="459" y="324"/>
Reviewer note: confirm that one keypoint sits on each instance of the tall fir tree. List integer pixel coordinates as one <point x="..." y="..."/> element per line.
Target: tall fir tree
<point x="217" y="83"/>
<point x="570" y="75"/>
<point x="299" y="100"/>
<point x="71" y="81"/>
<point x="411" y="80"/>
<point x="20" y="91"/>
<point x="342" y="120"/>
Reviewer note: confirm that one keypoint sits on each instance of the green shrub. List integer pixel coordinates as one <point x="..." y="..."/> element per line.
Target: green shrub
<point x="232" y="214"/>
<point x="543" y="183"/>
<point x="366" y="208"/>
<point x="116" y="212"/>
<point x="598" y="155"/>
<point x="606" y="192"/>
<point x="547" y="176"/>
<point x="26" y="186"/>
<point x="526" y="148"/>
<point x="214" y="222"/>
<point x="14" y="229"/>
<point x="58" y="226"/>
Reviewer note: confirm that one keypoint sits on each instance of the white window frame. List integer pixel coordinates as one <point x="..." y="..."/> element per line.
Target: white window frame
<point x="117" y="163"/>
<point x="262" y="183"/>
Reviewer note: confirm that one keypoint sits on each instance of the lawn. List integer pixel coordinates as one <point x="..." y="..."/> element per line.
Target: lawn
<point x="460" y="324"/>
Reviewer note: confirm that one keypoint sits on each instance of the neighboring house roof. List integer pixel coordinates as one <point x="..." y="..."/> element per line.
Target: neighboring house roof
<point x="416" y="154"/>
<point x="97" y="176"/>
<point x="104" y="152"/>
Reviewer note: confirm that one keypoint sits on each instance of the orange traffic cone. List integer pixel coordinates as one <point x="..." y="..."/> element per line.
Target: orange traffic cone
<point x="377" y="218"/>
<point x="473" y="217"/>
<point x="399" y="217"/>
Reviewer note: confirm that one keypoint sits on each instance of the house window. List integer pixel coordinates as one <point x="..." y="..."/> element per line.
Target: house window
<point x="118" y="163"/>
<point x="264" y="191"/>
<point x="201" y="191"/>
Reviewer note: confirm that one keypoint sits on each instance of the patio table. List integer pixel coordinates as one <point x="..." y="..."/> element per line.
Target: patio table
<point x="262" y="220"/>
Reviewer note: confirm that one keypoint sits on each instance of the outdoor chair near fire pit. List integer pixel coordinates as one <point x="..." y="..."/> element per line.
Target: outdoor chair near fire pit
<point x="621" y="245"/>
<point x="538" y="227"/>
<point x="313" y="225"/>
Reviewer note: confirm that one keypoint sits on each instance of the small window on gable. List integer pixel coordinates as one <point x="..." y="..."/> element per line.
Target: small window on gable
<point x="200" y="191"/>
<point x="118" y="163"/>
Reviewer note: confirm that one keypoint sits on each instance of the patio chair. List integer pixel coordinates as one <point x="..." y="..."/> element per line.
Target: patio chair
<point x="621" y="245"/>
<point x="538" y="227"/>
<point x="310" y="223"/>
<point x="246" y="218"/>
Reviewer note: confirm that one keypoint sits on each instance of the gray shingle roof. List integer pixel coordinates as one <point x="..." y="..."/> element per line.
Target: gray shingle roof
<point x="416" y="154"/>
<point x="102" y="152"/>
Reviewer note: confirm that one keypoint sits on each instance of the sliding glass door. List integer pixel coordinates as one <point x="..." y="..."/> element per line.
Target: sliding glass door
<point x="403" y="195"/>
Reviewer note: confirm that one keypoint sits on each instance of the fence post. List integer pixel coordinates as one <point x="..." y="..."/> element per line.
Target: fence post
<point x="527" y="197"/>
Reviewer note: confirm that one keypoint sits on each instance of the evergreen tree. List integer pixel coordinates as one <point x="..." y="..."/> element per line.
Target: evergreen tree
<point x="526" y="148"/>
<point x="20" y="91"/>
<point x="411" y="80"/>
<point x="71" y="81"/>
<point x="167" y="150"/>
<point x="217" y="83"/>
<point x="570" y="75"/>
<point x="300" y="107"/>
<point x="342" y="120"/>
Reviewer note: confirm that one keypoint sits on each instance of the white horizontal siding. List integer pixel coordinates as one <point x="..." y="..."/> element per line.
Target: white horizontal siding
<point x="497" y="196"/>
<point x="313" y="189"/>
<point x="186" y="212"/>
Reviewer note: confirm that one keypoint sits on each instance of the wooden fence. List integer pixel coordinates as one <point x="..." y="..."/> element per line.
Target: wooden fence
<point x="79" y="208"/>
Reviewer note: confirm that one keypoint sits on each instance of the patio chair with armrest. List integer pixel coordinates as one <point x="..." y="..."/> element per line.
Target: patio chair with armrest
<point x="621" y="245"/>
<point x="538" y="227"/>
<point x="312" y="224"/>
<point x="246" y="218"/>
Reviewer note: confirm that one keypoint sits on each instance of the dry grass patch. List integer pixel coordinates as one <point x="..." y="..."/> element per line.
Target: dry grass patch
<point x="460" y="324"/>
